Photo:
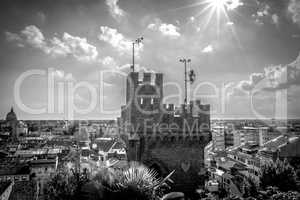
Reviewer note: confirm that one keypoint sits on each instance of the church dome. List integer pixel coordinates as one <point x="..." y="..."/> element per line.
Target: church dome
<point x="11" y="116"/>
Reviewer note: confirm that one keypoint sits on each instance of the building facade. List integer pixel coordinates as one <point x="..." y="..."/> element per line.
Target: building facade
<point x="161" y="136"/>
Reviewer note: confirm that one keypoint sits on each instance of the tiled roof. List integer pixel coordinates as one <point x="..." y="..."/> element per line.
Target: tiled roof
<point x="118" y="145"/>
<point x="228" y="163"/>
<point x="104" y="144"/>
<point x="3" y="186"/>
<point x="280" y="141"/>
<point x="23" y="190"/>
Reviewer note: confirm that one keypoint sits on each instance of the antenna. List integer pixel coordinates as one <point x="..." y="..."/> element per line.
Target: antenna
<point x="191" y="77"/>
<point x="137" y="41"/>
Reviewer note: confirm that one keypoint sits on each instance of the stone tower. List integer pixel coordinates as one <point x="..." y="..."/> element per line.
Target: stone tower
<point x="163" y="137"/>
<point x="12" y="122"/>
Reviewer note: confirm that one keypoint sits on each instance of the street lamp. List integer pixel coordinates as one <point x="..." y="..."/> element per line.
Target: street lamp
<point x="185" y="61"/>
<point x="137" y="41"/>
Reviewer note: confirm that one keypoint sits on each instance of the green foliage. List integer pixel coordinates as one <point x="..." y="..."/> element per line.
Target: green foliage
<point x="65" y="185"/>
<point x="273" y="193"/>
<point x="279" y="174"/>
<point x="135" y="183"/>
<point x="62" y="186"/>
<point x="233" y="198"/>
<point x="286" y="196"/>
<point x="251" y="187"/>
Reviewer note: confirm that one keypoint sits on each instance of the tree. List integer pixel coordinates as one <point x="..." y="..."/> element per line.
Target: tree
<point x="273" y="193"/>
<point x="61" y="187"/>
<point x="135" y="183"/>
<point x="279" y="174"/>
<point x="286" y="196"/>
<point x="65" y="185"/>
<point x="250" y="187"/>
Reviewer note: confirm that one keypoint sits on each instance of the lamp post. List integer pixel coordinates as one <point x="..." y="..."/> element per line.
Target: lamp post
<point x="137" y="41"/>
<point x="185" y="61"/>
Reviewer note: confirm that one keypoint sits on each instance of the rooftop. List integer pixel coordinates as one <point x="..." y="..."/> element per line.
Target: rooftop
<point x="4" y="186"/>
<point x="276" y="143"/>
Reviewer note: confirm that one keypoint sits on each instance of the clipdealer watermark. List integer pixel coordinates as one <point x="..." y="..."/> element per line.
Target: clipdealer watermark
<point x="61" y="95"/>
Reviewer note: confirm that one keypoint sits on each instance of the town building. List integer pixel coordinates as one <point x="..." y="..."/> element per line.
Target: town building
<point x="163" y="137"/>
<point x="268" y="133"/>
<point x="12" y="122"/>
<point x="5" y="189"/>
<point x="41" y="170"/>
<point x="282" y="147"/>
<point x="218" y="140"/>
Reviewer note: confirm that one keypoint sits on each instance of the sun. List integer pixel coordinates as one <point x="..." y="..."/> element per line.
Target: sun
<point x="217" y="9"/>
<point x="217" y="4"/>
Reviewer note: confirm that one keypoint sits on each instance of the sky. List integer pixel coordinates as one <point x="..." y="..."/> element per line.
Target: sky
<point x="245" y="54"/>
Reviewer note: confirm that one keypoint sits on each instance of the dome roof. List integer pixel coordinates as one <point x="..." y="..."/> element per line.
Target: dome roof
<point x="11" y="116"/>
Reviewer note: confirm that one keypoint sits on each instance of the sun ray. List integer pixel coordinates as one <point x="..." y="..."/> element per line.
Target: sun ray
<point x="187" y="6"/>
<point x="203" y="10"/>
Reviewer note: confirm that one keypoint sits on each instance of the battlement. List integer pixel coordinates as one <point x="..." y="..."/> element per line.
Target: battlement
<point x="147" y="86"/>
<point x="168" y="137"/>
<point x="140" y="78"/>
<point x="144" y="104"/>
<point x="169" y="107"/>
<point x="194" y="107"/>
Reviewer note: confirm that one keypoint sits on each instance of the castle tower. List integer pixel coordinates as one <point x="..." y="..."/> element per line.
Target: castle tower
<point x="12" y="122"/>
<point x="163" y="137"/>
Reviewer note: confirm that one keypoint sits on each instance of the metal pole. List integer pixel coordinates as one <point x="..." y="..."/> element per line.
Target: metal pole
<point x="133" y="56"/>
<point x="185" y="61"/>
<point x="185" y="83"/>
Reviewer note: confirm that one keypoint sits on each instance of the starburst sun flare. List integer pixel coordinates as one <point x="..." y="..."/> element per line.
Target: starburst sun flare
<point x="222" y="4"/>
<point x="217" y="9"/>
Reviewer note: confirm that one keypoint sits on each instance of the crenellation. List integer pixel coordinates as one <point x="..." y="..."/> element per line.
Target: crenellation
<point x="163" y="134"/>
<point x="147" y="78"/>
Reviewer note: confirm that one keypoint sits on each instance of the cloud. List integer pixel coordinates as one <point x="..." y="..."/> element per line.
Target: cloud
<point x="108" y="61"/>
<point x="13" y="37"/>
<point x="192" y="19"/>
<point x="296" y="36"/>
<point x="275" y="19"/>
<point x="59" y="73"/>
<point x="41" y="16"/>
<point x="265" y="14"/>
<point x="79" y="99"/>
<point x="237" y="92"/>
<point x="168" y="30"/>
<point x="254" y="79"/>
<point x="264" y="11"/>
<point x="245" y="86"/>
<point x="229" y="23"/>
<point x="117" y="40"/>
<point x="137" y="67"/>
<point x="233" y="4"/>
<point x="79" y="48"/>
<point x="68" y="45"/>
<point x="30" y="35"/>
<point x="34" y="36"/>
<point x="114" y="9"/>
<point x="294" y="10"/>
<point x="273" y="78"/>
<point x="208" y="49"/>
<point x="283" y="77"/>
